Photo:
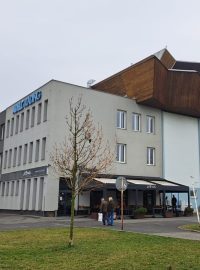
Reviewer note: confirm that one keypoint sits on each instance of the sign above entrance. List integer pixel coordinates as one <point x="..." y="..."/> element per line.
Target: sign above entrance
<point x="19" y="106"/>
<point x="121" y="183"/>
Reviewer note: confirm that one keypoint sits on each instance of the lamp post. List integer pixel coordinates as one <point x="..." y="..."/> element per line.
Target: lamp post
<point x="195" y="199"/>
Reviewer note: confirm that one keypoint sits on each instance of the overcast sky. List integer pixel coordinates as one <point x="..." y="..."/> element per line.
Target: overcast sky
<point x="78" y="40"/>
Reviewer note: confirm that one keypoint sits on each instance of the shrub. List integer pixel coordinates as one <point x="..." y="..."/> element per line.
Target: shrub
<point x="141" y="210"/>
<point x="188" y="211"/>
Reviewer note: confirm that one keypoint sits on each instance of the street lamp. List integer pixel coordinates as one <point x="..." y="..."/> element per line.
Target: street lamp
<point x="195" y="199"/>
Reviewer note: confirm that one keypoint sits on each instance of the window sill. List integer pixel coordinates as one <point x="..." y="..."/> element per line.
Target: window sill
<point x="151" y="164"/>
<point x="122" y="128"/>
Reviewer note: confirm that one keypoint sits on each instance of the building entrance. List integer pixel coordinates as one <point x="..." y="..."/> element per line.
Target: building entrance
<point x="149" y="200"/>
<point x="64" y="199"/>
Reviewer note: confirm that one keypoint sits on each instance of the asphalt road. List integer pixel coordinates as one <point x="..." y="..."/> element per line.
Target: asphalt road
<point x="167" y="227"/>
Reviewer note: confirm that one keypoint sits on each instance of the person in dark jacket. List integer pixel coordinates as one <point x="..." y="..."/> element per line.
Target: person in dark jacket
<point x="110" y="209"/>
<point x="174" y="201"/>
<point x="104" y="211"/>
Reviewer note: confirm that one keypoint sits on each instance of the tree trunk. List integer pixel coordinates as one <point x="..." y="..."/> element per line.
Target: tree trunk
<point x="71" y="235"/>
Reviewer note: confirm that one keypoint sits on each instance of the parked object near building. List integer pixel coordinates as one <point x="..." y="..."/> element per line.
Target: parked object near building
<point x="147" y="113"/>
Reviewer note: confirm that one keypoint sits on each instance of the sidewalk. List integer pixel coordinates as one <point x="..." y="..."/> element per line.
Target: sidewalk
<point x="167" y="227"/>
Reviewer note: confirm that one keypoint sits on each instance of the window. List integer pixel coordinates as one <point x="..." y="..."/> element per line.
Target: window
<point x="27" y="118"/>
<point x="39" y="113"/>
<point x="15" y="157"/>
<point x="136" y="119"/>
<point x="8" y="129"/>
<point x="1" y="161"/>
<point x="37" y="148"/>
<point x="19" y="155"/>
<point x="17" y="188"/>
<point x="5" y="159"/>
<point x="45" y="110"/>
<point x="9" y="158"/>
<point x="22" y="122"/>
<point x="43" y="148"/>
<point x="121" y="152"/>
<point x="30" y="152"/>
<point x="150" y="124"/>
<point x="12" y="188"/>
<point x="121" y="119"/>
<point x="150" y="156"/>
<point x="25" y="153"/>
<point x="12" y="127"/>
<point x="2" y="132"/>
<point x="7" y="188"/>
<point x="3" y="189"/>
<point x="17" y="124"/>
<point x="33" y="117"/>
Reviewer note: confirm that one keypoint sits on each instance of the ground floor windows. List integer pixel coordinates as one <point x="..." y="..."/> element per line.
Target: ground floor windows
<point x="23" y="194"/>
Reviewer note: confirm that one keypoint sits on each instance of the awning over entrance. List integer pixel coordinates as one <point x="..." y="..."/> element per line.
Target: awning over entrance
<point x="146" y="184"/>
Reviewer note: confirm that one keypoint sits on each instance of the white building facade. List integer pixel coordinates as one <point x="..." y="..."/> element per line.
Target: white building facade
<point x="157" y="149"/>
<point x="34" y="124"/>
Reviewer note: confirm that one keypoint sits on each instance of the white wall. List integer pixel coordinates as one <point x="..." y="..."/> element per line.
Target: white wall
<point x="104" y="110"/>
<point x="180" y="148"/>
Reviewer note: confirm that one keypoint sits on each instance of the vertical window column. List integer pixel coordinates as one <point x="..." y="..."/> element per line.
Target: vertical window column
<point x="1" y="161"/>
<point x="9" y="158"/>
<point x="37" y="149"/>
<point x="12" y="127"/>
<point x="43" y="148"/>
<point x="2" y="132"/>
<point x="30" y="152"/>
<point x="45" y="110"/>
<point x="5" y="159"/>
<point x="19" y="155"/>
<point x="27" y="118"/>
<point x="17" y="188"/>
<point x="15" y="157"/>
<point x="39" y="113"/>
<point x="33" y="116"/>
<point x="25" y="153"/>
<point x="8" y="129"/>
<point x="17" y="124"/>
<point x="22" y="122"/>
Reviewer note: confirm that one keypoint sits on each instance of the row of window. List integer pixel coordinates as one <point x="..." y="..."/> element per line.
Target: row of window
<point x="25" y="119"/>
<point x="10" y="188"/>
<point x="136" y="121"/>
<point x="121" y="154"/>
<point x="30" y="190"/>
<point x="13" y="157"/>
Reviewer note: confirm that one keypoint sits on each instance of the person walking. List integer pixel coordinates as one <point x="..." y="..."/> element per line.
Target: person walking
<point x="104" y="211"/>
<point x="110" y="211"/>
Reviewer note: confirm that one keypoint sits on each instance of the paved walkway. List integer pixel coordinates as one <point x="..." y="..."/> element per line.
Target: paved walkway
<point x="167" y="227"/>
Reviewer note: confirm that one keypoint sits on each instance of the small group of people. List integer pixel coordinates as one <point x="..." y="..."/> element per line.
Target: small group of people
<point x="107" y="210"/>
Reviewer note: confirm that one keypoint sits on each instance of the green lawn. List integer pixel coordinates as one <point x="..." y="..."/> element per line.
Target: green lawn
<point x="192" y="227"/>
<point x="95" y="249"/>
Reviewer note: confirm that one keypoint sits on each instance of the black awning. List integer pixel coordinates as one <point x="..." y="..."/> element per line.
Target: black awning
<point x="146" y="184"/>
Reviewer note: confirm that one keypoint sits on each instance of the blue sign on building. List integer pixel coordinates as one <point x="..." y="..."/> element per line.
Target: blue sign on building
<point x="27" y="101"/>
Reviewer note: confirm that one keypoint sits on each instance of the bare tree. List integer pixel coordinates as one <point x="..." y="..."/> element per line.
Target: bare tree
<point x="82" y="156"/>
